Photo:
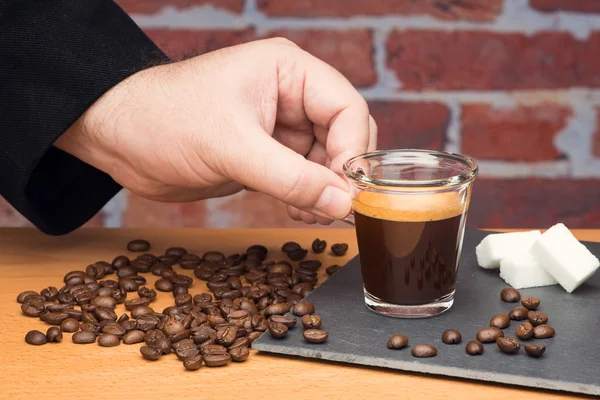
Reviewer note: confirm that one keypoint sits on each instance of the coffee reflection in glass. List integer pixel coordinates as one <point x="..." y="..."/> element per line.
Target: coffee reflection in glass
<point x="410" y="209"/>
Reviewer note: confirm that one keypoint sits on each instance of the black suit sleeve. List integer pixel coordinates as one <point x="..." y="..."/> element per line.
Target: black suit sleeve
<point x="56" y="58"/>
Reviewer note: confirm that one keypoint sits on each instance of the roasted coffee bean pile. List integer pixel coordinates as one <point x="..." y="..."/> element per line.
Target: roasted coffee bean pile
<point x="248" y="296"/>
<point x="535" y="327"/>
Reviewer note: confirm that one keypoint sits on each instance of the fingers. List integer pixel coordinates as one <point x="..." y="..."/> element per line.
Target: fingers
<point x="372" y="134"/>
<point x="260" y="162"/>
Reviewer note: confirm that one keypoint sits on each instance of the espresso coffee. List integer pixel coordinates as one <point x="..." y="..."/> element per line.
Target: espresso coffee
<point x="409" y="257"/>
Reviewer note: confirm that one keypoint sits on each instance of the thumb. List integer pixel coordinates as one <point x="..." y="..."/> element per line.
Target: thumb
<point x="266" y="165"/>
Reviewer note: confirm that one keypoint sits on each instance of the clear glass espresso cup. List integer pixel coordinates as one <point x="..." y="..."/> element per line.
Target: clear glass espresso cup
<point x="409" y="210"/>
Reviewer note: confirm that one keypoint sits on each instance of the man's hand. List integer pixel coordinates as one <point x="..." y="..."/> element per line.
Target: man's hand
<point x="264" y="115"/>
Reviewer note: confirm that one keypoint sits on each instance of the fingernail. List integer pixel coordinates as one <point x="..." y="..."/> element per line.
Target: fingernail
<point x="334" y="203"/>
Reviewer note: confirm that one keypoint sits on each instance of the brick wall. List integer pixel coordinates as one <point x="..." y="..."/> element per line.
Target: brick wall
<point x="513" y="83"/>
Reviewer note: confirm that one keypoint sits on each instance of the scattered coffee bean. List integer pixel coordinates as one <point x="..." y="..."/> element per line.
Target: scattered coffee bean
<point x="518" y="314"/>
<point x="534" y="350"/>
<point x="303" y="308"/>
<point x="84" y="337"/>
<point x="104" y="301"/>
<point x="217" y="360"/>
<point x="530" y="303"/>
<point x="451" y="336"/>
<point x="134" y="336"/>
<point x="424" y="350"/>
<point x="277" y="309"/>
<point x="33" y="308"/>
<point x="163" y="285"/>
<point x="489" y="335"/>
<point x="508" y="345"/>
<point x="150" y="353"/>
<point x="474" y="347"/>
<point x="524" y="331"/>
<point x="543" y="331"/>
<point x="50" y="293"/>
<point x="339" y="249"/>
<point x="537" y="317"/>
<point x="120" y="261"/>
<point x="397" y="342"/>
<point x="332" y="269"/>
<point x="69" y="325"/>
<point x="287" y="321"/>
<point x="500" y="321"/>
<point x="311" y="321"/>
<point x="138" y="245"/>
<point x="23" y="295"/>
<point x="319" y="246"/>
<point x="315" y="335"/>
<point x="175" y="251"/>
<point x="108" y="340"/>
<point x="239" y="354"/>
<point x="290" y="246"/>
<point x="35" y="338"/>
<point x="54" y="318"/>
<point x="193" y="363"/>
<point x="298" y="254"/>
<point x="277" y="330"/>
<point x="53" y="334"/>
<point x="510" y="295"/>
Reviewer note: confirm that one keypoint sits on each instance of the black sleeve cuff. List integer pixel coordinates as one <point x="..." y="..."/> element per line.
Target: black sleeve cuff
<point x="57" y="58"/>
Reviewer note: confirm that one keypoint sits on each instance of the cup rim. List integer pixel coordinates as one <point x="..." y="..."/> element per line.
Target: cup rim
<point x="403" y="183"/>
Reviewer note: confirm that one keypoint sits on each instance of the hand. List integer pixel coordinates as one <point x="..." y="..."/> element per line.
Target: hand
<point x="264" y="115"/>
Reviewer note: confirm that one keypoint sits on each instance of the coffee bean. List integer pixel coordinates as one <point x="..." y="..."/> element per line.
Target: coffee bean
<point x="134" y="336"/>
<point x="277" y="330"/>
<point x="530" y="303"/>
<point x="84" y="337"/>
<point x="489" y="335"/>
<point x="104" y="301"/>
<point x="126" y="271"/>
<point x="297" y="254"/>
<point x="114" y="329"/>
<point x="451" y="336"/>
<point x="396" y="342"/>
<point x="537" y="317"/>
<point x="310" y="265"/>
<point x="203" y="273"/>
<point x="518" y="314"/>
<point x="129" y="284"/>
<point x="239" y="342"/>
<point x="287" y="321"/>
<point x="33" y="308"/>
<point x="290" y="246"/>
<point x="277" y="309"/>
<point x="318" y="246"/>
<point x="89" y="326"/>
<point x="214" y="256"/>
<point x="108" y="340"/>
<point x="217" y="360"/>
<point x="69" y="325"/>
<point x="315" y="335"/>
<point x="193" y="363"/>
<point x="152" y="335"/>
<point x="50" y="293"/>
<point x="189" y="261"/>
<point x="424" y="351"/>
<point x="66" y="298"/>
<point x="226" y="336"/>
<point x="120" y="261"/>
<point x="524" y="331"/>
<point x="303" y="308"/>
<point x="23" y="295"/>
<point x="150" y="353"/>
<point x="332" y="269"/>
<point x="35" y="338"/>
<point x="146" y="293"/>
<point x="260" y="323"/>
<point x="510" y="295"/>
<point x="96" y="272"/>
<point x="534" y="350"/>
<point x="141" y="310"/>
<point x="172" y="327"/>
<point x="543" y="331"/>
<point x="212" y="349"/>
<point x="183" y="299"/>
<point x="138" y="245"/>
<point x="163" y="285"/>
<point x="508" y="345"/>
<point x="474" y="347"/>
<point x="53" y="334"/>
<point x="311" y="321"/>
<point x="182" y="280"/>
<point x="54" y="318"/>
<point x="176" y="251"/>
<point x="500" y="321"/>
<point x="178" y="337"/>
<point x="185" y="349"/>
<point x="339" y="249"/>
<point x="252" y="336"/>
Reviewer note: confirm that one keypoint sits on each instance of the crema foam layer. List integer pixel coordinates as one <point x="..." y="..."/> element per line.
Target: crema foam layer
<point x="420" y="207"/>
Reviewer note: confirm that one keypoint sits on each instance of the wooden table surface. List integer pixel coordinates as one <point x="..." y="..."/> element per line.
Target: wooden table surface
<point x="32" y="261"/>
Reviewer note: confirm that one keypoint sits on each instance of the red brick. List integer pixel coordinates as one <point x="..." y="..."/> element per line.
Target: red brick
<point x="475" y="10"/>
<point x="446" y="60"/>
<point x="243" y="210"/>
<point x="9" y="217"/>
<point x="184" y="43"/>
<point x="522" y="133"/>
<point x="349" y="51"/>
<point x="585" y="6"/>
<point x="534" y="203"/>
<point x="153" y="6"/>
<point x="596" y="138"/>
<point x="403" y="124"/>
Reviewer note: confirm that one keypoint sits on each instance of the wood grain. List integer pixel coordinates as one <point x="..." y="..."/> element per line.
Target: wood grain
<point x="30" y="260"/>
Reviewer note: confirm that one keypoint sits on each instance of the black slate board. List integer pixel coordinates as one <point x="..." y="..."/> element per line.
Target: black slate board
<point x="359" y="336"/>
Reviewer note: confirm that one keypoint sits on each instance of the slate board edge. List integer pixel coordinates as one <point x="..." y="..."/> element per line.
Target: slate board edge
<point x="524" y="381"/>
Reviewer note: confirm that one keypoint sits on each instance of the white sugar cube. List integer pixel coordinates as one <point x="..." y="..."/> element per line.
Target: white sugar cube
<point x="564" y="257"/>
<point x="523" y="271"/>
<point x="497" y="246"/>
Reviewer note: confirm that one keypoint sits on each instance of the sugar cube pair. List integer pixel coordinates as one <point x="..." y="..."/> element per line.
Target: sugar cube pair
<point x="532" y="259"/>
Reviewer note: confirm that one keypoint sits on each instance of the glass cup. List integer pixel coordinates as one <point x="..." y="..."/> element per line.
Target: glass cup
<point x="409" y="208"/>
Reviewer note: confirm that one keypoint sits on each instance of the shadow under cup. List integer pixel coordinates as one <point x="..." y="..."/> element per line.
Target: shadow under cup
<point x="410" y="209"/>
